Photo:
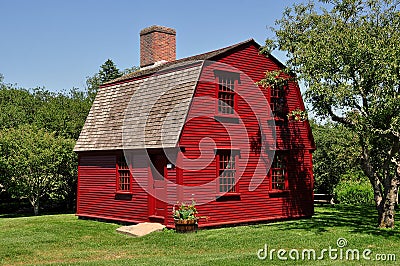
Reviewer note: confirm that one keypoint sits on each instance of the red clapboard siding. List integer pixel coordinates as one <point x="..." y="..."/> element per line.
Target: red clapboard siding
<point x="97" y="196"/>
<point x="259" y="204"/>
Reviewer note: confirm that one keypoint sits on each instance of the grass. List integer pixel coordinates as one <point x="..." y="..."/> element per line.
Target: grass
<point x="66" y="240"/>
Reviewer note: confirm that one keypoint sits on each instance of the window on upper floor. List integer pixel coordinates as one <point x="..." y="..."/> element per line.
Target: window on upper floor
<point x="278" y="172"/>
<point x="277" y="101"/>
<point x="124" y="177"/>
<point x="227" y="87"/>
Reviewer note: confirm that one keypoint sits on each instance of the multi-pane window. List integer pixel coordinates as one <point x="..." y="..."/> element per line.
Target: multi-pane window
<point x="277" y="102"/>
<point x="124" y="175"/>
<point x="278" y="172"/>
<point x="226" y="93"/>
<point x="227" y="171"/>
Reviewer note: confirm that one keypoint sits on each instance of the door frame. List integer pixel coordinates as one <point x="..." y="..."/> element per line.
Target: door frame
<point x="152" y="200"/>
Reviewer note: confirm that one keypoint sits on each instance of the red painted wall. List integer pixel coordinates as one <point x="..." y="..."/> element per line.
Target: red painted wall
<point x="260" y="204"/>
<point x="97" y="195"/>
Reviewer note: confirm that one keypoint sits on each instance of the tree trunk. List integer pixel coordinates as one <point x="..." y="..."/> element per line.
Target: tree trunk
<point x="36" y="208"/>
<point x="386" y="208"/>
<point x="385" y="201"/>
<point x="35" y="205"/>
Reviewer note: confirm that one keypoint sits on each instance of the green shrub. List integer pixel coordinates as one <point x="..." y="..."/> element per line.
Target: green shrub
<point x="354" y="192"/>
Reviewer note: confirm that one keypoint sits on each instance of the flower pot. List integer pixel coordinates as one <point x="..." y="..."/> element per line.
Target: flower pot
<point x="185" y="226"/>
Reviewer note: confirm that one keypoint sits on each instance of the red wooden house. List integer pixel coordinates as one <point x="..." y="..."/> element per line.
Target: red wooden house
<point x="195" y="128"/>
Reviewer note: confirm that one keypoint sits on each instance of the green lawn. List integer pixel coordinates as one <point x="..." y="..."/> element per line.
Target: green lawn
<point x="66" y="240"/>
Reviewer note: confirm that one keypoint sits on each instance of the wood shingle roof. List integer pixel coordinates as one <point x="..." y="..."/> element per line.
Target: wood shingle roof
<point x="146" y="108"/>
<point x="147" y="112"/>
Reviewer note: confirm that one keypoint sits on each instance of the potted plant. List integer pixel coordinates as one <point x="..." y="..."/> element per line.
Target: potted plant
<point x="297" y="115"/>
<point x="185" y="217"/>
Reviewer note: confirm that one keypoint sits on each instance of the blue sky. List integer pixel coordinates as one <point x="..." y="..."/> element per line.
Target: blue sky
<point x="57" y="44"/>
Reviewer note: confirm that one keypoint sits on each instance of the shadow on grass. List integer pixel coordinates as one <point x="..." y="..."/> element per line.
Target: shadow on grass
<point x="357" y="219"/>
<point x="31" y="214"/>
<point x="17" y="210"/>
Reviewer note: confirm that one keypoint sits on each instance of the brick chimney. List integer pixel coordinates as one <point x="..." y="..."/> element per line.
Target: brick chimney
<point x="157" y="44"/>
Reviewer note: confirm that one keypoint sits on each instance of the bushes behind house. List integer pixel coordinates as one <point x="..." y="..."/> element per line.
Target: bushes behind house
<point x="354" y="188"/>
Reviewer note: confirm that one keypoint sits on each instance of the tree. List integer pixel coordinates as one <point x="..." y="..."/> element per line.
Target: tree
<point x="34" y="163"/>
<point x="108" y="71"/>
<point x="348" y="55"/>
<point x="336" y="155"/>
<point x="93" y="83"/>
<point x="130" y="70"/>
<point x="63" y="114"/>
<point x="17" y="106"/>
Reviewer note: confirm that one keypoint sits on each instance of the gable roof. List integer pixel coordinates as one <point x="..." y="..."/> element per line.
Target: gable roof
<point x="212" y="55"/>
<point x="147" y="108"/>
